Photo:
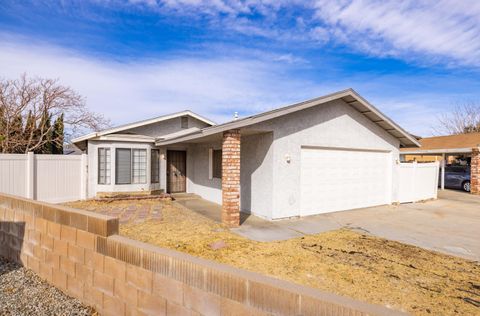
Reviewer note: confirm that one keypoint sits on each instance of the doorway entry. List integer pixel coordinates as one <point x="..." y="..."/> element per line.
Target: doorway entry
<point x="176" y="171"/>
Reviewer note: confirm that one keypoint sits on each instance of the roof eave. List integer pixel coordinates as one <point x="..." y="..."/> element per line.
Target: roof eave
<point x="142" y="123"/>
<point x="410" y="140"/>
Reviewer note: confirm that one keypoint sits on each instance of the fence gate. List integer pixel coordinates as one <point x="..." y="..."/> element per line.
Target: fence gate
<point x="417" y="181"/>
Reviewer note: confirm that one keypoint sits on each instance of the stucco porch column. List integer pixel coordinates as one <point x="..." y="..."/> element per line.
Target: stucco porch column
<point x="475" y="171"/>
<point x="231" y="178"/>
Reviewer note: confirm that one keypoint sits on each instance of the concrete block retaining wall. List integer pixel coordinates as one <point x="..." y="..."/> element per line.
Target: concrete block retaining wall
<point x="81" y="253"/>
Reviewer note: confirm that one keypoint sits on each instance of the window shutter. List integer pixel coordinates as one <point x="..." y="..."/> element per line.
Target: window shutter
<point x="123" y="165"/>
<point x="210" y="163"/>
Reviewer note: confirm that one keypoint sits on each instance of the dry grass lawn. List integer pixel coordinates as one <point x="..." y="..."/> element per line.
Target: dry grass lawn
<point x="348" y="263"/>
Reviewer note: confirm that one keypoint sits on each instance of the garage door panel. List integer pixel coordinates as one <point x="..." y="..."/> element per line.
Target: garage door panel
<point x="338" y="179"/>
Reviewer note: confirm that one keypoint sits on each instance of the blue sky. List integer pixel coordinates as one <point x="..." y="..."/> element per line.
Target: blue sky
<point x="137" y="59"/>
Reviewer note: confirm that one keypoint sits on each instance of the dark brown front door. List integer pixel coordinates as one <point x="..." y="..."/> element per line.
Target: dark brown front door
<point x="176" y="171"/>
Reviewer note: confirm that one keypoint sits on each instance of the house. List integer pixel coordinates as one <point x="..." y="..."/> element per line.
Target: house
<point x="450" y="149"/>
<point x="331" y="153"/>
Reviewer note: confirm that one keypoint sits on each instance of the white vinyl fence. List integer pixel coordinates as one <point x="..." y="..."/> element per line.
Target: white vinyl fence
<point x="417" y="181"/>
<point x="48" y="178"/>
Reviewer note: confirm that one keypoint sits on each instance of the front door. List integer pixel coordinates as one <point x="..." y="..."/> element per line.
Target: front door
<point x="176" y="171"/>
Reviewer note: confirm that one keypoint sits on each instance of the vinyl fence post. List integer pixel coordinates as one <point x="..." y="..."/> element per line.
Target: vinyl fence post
<point x="442" y="184"/>
<point x="30" y="181"/>
<point x="83" y="177"/>
<point x="437" y="172"/>
<point x="414" y="182"/>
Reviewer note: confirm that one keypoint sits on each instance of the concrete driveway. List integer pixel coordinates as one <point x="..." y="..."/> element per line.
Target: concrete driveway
<point x="450" y="224"/>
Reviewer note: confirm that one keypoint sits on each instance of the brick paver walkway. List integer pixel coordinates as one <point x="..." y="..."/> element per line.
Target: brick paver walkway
<point x="136" y="213"/>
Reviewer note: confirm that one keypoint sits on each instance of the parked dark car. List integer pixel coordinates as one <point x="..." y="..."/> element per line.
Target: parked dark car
<point x="457" y="177"/>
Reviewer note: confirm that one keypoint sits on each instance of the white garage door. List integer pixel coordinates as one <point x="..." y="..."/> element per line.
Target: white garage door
<point x="337" y="179"/>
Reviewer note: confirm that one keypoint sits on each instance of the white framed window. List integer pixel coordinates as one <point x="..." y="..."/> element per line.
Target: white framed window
<point x="131" y="166"/>
<point x="139" y="165"/>
<point x="155" y="166"/>
<point x="215" y="163"/>
<point x="123" y="166"/>
<point x="104" y="165"/>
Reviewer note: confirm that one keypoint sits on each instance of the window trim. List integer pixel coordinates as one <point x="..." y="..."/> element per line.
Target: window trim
<point x="133" y="164"/>
<point x="211" y="155"/>
<point x="109" y="165"/>
<point x="155" y="163"/>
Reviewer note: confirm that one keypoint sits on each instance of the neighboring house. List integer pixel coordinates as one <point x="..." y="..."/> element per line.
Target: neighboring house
<point x="70" y="149"/>
<point x="454" y="147"/>
<point x="451" y="149"/>
<point x="332" y="153"/>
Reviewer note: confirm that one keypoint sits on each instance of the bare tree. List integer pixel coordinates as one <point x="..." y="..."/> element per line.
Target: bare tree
<point x="27" y="106"/>
<point x="464" y="119"/>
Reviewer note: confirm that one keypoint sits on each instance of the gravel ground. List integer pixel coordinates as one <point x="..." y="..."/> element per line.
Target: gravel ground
<point x="22" y="292"/>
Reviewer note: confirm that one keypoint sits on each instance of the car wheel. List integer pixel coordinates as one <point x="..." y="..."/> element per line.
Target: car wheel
<point x="466" y="186"/>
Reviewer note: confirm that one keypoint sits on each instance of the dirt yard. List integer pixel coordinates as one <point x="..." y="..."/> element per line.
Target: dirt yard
<point x="348" y="263"/>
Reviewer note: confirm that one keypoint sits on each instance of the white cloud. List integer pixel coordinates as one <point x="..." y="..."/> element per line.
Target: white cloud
<point x="445" y="28"/>
<point x="442" y="31"/>
<point x="128" y="91"/>
<point x="216" y="87"/>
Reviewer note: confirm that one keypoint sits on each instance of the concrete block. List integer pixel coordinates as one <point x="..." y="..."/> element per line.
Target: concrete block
<point x="68" y="234"/>
<point x="51" y="259"/>
<point x="76" y="254"/>
<point x="84" y="274"/>
<point x="140" y="278"/>
<point x="126" y="292"/>
<point x="103" y="282"/>
<point x="67" y="266"/>
<point x="115" y="268"/>
<point x="75" y="287"/>
<point x="46" y="272"/>
<point x="113" y="306"/>
<point x="85" y="240"/>
<point x="93" y="297"/>
<point x="201" y="301"/>
<point x="168" y="288"/>
<point x="151" y="305"/>
<point x="271" y="299"/>
<point x="41" y="225"/>
<point x="46" y="242"/>
<point x="59" y="279"/>
<point x="60" y="247"/>
<point x="53" y="230"/>
<point x="233" y="308"/>
<point x="177" y="309"/>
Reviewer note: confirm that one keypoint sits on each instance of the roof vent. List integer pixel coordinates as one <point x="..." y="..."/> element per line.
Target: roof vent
<point x="235" y="116"/>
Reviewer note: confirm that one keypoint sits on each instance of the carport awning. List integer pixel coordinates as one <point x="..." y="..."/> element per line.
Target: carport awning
<point x="437" y="151"/>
